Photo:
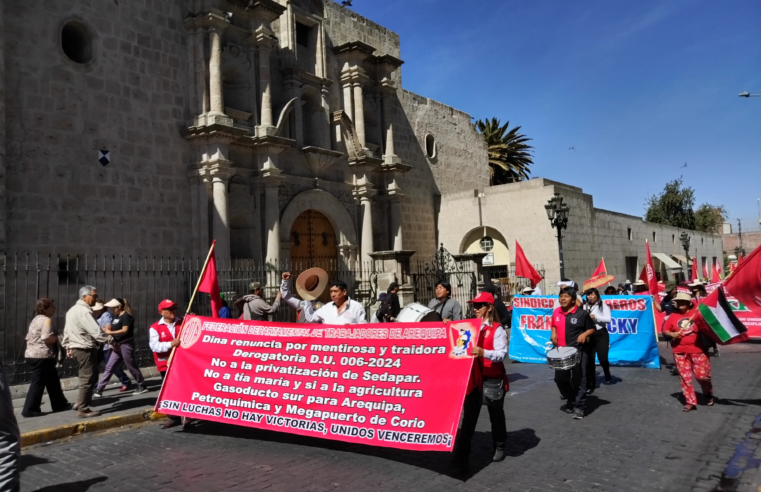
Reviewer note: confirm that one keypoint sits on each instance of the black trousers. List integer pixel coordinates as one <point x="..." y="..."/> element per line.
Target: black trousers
<point x="572" y="383"/>
<point x="44" y="377"/>
<point x="471" y="411"/>
<point x="600" y="345"/>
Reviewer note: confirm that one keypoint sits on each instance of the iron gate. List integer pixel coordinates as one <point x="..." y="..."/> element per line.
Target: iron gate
<point x="444" y="267"/>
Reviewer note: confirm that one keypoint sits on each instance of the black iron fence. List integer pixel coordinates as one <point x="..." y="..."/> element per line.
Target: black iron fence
<point x="144" y="282"/>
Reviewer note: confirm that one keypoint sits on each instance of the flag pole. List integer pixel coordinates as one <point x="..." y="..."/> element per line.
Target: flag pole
<point x="200" y="276"/>
<point x="179" y="329"/>
<point x="192" y="297"/>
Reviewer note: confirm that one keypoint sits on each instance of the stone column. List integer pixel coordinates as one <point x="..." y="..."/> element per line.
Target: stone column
<point x="272" y="216"/>
<point x="396" y="224"/>
<point x="366" y="245"/>
<point x="220" y="177"/>
<point x="254" y="94"/>
<point x="388" y="120"/>
<point x="348" y="97"/>
<point x="202" y="91"/>
<point x="195" y="211"/>
<point x="215" y="72"/>
<point x="264" y="83"/>
<point x="359" y="110"/>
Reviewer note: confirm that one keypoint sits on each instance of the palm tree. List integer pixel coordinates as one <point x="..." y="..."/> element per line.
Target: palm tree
<point x="509" y="157"/>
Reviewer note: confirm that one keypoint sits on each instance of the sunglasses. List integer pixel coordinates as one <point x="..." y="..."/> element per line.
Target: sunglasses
<point x="479" y="305"/>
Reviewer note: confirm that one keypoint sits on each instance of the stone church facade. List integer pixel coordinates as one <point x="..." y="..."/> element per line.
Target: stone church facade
<point x="280" y="129"/>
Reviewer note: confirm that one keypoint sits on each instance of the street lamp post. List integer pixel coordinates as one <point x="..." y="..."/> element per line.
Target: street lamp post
<point x="685" y="239"/>
<point x="557" y="212"/>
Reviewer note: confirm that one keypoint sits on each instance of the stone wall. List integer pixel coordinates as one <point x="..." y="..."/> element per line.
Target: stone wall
<point x="459" y="162"/>
<point x="751" y="241"/>
<point x="131" y="99"/>
<point x="517" y="212"/>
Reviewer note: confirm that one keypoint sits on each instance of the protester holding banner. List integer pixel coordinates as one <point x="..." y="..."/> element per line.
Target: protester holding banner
<point x="449" y="309"/>
<point x="504" y="315"/>
<point x="690" y="354"/>
<point x="571" y="327"/>
<point x="600" y="340"/>
<point x="666" y="305"/>
<point x="162" y="337"/>
<point x="487" y="384"/>
<point x="611" y="291"/>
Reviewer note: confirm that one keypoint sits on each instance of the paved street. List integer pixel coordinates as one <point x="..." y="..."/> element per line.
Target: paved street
<point x="636" y="438"/>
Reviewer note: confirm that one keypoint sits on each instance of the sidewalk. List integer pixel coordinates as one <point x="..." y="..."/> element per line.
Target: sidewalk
<point x="116" y="409"/>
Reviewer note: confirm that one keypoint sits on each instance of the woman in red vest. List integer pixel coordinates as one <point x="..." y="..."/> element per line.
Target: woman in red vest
<point x="488" y="383"/>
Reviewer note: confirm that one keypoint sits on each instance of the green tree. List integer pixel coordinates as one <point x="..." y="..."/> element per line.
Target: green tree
<point x="709" y="218"/>
<point x="509" y="154"/>
<point x="673" y="207"/>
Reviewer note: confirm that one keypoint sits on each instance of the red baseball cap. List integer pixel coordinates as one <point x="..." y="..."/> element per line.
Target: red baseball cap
<point x="483" y="297"/>
<point x="166" y="304"/>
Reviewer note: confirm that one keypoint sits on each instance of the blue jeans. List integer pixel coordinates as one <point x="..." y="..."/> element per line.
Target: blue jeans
<point x="118" y="370"/>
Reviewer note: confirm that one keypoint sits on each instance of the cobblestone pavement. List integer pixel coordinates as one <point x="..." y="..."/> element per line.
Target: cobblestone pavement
<point x="635" y="438"/>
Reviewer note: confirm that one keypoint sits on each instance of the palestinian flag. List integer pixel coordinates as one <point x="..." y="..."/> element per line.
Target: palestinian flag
<point x="718" y="321"/>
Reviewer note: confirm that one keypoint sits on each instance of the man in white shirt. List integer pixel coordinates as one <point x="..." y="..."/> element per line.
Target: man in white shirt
<point x="341" y="311"/>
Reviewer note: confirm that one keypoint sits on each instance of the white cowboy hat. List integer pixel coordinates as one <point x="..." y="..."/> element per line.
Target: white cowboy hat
<point x="696" y="283"/>
<point x="312" y="283"/>
<point x="527" y="290"/>
<point x="639" y="282"/>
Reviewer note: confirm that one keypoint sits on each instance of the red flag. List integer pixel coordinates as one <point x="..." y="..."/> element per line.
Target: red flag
<point x="732" y="267"/>
<point x="715" y="277"/>
<point x="648" y="273"/>
<point x="601" y="270"/>
<point x="745" y="283"/>
<point x="523" y="267"/>
<point x="705" y="271"/>
<point x="740" y="259"/>
<point x="694" y="268"/>
<point x="210" y="285"/>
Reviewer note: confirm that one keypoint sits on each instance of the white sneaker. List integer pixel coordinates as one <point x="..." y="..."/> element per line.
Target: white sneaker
<point x="140" y="390"/>
<point x="97" y="394"/>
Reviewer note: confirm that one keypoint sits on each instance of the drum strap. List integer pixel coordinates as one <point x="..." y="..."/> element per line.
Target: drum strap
<point x="443" y="304"/>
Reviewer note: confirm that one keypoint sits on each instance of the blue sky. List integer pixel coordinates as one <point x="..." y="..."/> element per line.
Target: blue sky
<point x="638" y="88"/>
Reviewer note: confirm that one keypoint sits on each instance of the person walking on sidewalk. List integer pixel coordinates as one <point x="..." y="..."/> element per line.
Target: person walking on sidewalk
<point x="162" y="338"/>
<point x="41" y="342"/>
<point x="123" y="346"/>
<point x="690" y="354"/>
<point x="10" y="439"/>
<point x="82" y="338"/>
<point x="104" y="319"/>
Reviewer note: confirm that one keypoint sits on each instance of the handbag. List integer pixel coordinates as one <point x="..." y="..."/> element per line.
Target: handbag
<point x="494" y="391"/>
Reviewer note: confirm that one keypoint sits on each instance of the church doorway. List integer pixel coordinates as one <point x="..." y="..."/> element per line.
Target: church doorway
<point x="313" y="242"/>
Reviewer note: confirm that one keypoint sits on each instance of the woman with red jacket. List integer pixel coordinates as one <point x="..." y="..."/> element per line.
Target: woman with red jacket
<point x="690" y="354"/>
<point x="488" y="382"/>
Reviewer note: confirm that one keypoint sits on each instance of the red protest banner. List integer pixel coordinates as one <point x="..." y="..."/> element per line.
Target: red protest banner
<point x="398" y="385"/>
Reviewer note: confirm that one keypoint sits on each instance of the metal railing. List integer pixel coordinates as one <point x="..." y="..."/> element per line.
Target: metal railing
<point x="144" y="282"/>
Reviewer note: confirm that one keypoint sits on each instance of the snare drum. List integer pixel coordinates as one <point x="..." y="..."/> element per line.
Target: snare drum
<point x="416" y="313"/>
<point x="563" y="358"/>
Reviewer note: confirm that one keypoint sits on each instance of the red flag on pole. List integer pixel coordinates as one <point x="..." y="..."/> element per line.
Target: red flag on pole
<point x="705" y="271"/>
<point x="694" y="268"/>
<point x="740" y="259"/>
<point x="745" y="283"/>
<point x="648" y="273"/>
<point x="601" y="270"/>
<point x="210" y="285"/>
<point x="523" y="267"/>
<point x="715" y="277"/>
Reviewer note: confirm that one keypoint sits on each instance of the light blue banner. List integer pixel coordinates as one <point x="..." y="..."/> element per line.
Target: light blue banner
<point x="632" y="330"/>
